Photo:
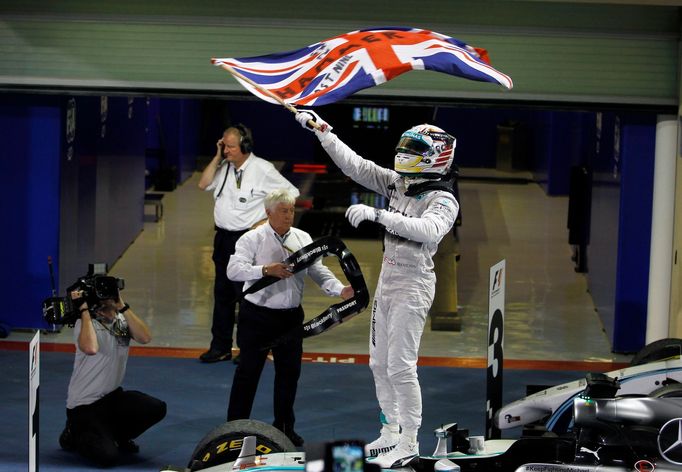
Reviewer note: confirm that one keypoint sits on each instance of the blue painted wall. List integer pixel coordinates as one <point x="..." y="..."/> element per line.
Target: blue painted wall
<point x="188" y="138"/>
<point x="477" y="136"/>
<point x="634" y="238"/>
<point x="173" y="128"/>
<point x="102" y="198"/>
<point x="76" y="189"/>
<point x="29" y="191"/>
<point x="622" y="198"/>
<point x="559" y="140"/>
<point x="276" y="134"/>
<point x="604" y="223"/>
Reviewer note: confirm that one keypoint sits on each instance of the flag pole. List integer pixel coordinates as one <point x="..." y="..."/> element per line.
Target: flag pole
<point x="265" y="91"/>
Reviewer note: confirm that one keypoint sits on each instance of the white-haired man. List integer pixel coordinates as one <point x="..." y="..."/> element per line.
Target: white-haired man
<point x="266" y="315"/>
<point x="422" y="209"/>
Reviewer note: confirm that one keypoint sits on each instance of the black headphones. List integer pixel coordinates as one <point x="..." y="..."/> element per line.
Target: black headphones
<point x="245" y="140"/>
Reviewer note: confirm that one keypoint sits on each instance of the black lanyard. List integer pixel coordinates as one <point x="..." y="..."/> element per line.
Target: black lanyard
<point x="282" y="240"/>
<point x="238" y="174"/>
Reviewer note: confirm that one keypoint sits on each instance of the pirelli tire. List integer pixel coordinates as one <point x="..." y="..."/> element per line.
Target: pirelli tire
<point x="223" y="443"/>
<point x="663" y="349"/>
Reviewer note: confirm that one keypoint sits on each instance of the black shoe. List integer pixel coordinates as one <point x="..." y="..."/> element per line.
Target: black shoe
<point x="66" y="440"/>
<point x="295" y="438"/>
<point x="128" y="446"/>
<point x="214" y="355"/>
<point x="291" y="434"/>
<point x="236" y="359"/>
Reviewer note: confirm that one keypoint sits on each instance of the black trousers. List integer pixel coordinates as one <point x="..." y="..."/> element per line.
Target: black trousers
<point x="225" y="292"/>
<point x="257" y="328"/>
<point x="117" y="417"/>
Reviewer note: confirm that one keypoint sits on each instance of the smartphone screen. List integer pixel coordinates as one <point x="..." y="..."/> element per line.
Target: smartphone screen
<point x="347" y="457"/>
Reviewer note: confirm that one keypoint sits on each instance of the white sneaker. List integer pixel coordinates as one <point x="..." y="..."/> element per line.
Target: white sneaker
<point x="406" y="450"/>
<point x="385" y="442"/>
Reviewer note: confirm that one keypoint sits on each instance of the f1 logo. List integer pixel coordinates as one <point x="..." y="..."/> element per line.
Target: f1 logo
<point x="497" y="279"/>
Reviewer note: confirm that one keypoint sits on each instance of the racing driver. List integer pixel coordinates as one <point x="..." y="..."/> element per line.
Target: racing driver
<point x="421" y="211"/>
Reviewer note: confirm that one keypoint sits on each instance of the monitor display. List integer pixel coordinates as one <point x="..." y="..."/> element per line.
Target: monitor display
<point x="370" y="117"/>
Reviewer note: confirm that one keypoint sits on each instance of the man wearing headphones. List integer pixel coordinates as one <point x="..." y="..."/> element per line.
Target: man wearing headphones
<point x="240" y="180"/>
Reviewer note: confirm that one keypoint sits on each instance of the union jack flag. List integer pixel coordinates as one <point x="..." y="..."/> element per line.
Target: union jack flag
<point x="335" y="68"/>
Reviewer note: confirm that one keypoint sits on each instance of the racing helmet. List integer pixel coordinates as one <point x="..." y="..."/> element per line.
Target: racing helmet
<point x="424" y="151"/>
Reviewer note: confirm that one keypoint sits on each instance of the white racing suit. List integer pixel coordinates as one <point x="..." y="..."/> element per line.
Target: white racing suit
<point x="414" y="227"/>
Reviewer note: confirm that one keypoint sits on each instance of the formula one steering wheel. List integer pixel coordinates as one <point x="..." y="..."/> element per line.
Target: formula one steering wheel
<point x="337" y="313"/>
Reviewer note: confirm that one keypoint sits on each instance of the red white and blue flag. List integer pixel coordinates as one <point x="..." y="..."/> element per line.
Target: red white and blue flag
<point x="335" y="68"/>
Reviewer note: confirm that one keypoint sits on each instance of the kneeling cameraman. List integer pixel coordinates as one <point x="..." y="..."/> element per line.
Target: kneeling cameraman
<point x="102" y="418"/>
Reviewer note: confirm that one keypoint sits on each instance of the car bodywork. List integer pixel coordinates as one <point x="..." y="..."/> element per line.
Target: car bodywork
<point x="629" y="419"/>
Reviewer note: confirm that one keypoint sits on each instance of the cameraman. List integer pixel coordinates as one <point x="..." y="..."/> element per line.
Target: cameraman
<point x="102" y="418"/>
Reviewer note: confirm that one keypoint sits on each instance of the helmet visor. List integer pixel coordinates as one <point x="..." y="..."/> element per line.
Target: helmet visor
<point x="413" y="143"/>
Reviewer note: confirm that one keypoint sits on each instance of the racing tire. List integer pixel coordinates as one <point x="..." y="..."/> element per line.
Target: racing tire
<point x="663" y="349"/>
<point x="223" y="444"/>
<point x="667" y="391"/>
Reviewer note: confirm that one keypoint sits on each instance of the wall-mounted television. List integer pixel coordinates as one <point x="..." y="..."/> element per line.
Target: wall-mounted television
<point x="370" y="117"/>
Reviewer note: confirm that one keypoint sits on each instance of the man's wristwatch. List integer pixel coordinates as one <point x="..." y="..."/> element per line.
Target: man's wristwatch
<point x="265" y="270"/>
<point x="125" y="308"/>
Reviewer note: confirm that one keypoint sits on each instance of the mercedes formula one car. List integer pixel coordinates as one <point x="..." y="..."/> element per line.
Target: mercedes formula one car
<point x="625" y="420"/>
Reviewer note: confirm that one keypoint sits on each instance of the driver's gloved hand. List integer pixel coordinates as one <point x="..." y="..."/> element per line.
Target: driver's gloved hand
<point x="311" y="121"/>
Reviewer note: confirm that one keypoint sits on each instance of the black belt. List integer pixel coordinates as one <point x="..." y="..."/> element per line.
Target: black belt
<point x="227" y="231"/>
<point x="283" y="311"/>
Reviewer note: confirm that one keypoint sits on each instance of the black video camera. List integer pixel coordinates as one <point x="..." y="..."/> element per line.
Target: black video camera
<point x="95" y="285"/>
